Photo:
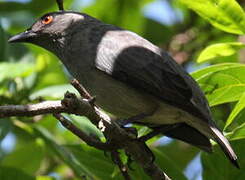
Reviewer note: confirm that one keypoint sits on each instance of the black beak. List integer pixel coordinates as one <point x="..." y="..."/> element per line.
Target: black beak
<point x="23" y="37"/>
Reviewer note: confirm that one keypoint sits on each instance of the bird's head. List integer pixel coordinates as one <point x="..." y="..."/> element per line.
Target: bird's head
<point x="53" y="29"/>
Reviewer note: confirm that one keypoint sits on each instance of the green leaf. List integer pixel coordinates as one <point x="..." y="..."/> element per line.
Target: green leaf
<point x="226" y="15"/>
<point x="3" y="43"/>
<point x="44" y="178"/>
<point x="29" y="6"/>
<point x="97" y="165"/>
<point x="5" y="126"/>
<point x="222" y="83"/>
<point x="237" y="109"/>
<point x="199" y="74"/>
<point x="12" y="70"/>
<point x="174" y="152"/>
<point x="20" y="158"/>
<point x="63" y="153"/>
<point x="171" y="160"/>
<point x="102" y="167"/>
<point x="9" y="173"/>
<point x="219" y="50"/>
<point x="55" y="92"/>
<point x="156" y="32"/>
<point x="226" y="94"/>
<point x="126" y="14"/>
<point x="85" y="125"/>
<point x="217" y="166"/>
<point x="50" y="71"/>
<point x="238" y="133"/>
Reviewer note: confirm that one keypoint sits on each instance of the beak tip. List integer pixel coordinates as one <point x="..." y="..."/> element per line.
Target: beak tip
<point x="14" y="39"/>
<point x="22" y="37"/>
<point x="11" y="40"/>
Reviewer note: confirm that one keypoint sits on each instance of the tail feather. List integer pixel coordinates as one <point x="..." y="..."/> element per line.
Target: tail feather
<point x="225" y="146"/>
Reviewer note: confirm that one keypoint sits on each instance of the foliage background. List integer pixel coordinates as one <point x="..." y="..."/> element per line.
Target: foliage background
<point x="208" y="32"/>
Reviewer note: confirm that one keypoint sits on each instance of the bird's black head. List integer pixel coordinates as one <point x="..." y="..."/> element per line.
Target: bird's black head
<point x="49" y="30"/>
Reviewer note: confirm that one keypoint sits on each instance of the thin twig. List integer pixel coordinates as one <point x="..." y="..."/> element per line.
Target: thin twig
<point x="82" y="91"/>
<point x="60" y="5"/>
<point x="83" y="136"/>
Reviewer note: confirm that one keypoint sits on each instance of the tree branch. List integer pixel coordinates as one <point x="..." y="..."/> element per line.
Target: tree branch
<point x="116" y="136"/>
<point x="83" y="136"/>
<point x="123" y="169"/>
<point x="45" y="107"/>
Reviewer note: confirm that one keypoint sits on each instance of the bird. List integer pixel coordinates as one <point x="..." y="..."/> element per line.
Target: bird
<point x="131" y="77"/>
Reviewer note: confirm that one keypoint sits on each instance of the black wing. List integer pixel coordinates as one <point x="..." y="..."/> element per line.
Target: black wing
<point x="142" y="65"/>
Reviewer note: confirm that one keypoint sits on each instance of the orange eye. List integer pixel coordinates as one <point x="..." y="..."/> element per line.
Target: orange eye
<point x="47" y="20"/>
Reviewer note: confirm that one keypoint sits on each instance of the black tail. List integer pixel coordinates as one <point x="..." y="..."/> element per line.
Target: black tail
<point x="225" y="146"/>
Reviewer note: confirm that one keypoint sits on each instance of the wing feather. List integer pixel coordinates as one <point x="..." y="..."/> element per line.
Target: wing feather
<point x="144" y="66"/>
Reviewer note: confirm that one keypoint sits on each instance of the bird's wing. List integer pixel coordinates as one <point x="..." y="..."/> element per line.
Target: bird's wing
<point x="142" y="65"/>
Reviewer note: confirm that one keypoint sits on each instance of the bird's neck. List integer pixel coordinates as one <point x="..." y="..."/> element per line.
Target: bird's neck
<point x="75" y="54"/>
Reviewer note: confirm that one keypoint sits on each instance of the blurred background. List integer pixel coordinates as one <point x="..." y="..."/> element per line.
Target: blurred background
<point x="40" y="148"/>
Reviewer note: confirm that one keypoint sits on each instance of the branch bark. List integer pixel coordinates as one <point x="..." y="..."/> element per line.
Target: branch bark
<point x="45" y="107"/>
<point x="116" y="136"/>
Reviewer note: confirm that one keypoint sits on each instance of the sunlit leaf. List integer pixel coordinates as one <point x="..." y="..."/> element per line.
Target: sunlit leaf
<point x="219" y="50"/>
<point x="56" y="92"/>
<point x="226" y="15"/>
<point x="237" y="109"/>
<point x="85" y="125"/>
<point x="238" y="133"/>
<point x="45" y="178"/>
<point x="12" y="70"/>
<point x="199" y="74"/>
<point x="227" y="94"/>
<point x="222" y="83"/>
<point x="50" y="71"/>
